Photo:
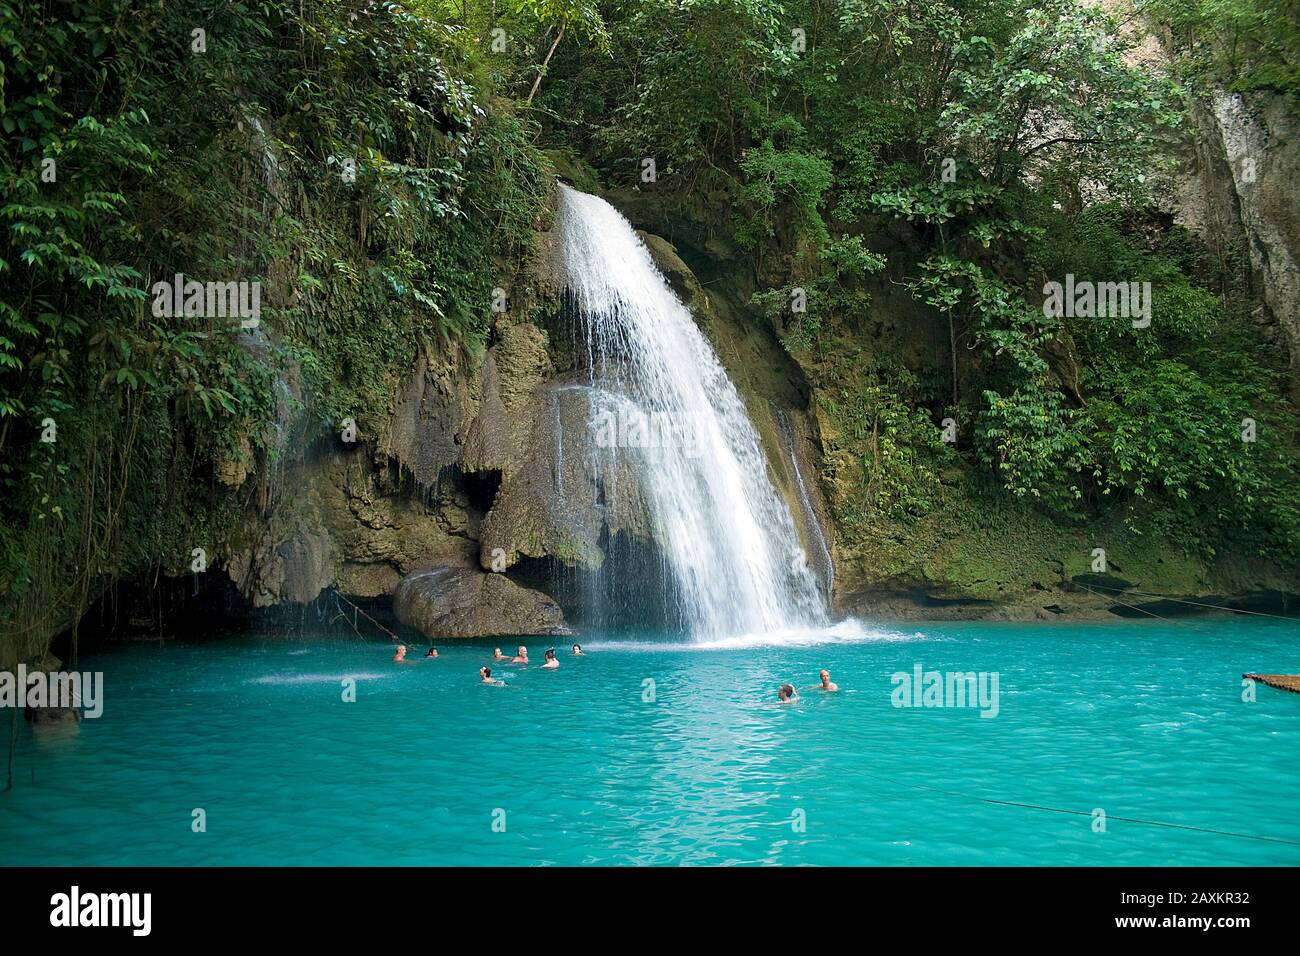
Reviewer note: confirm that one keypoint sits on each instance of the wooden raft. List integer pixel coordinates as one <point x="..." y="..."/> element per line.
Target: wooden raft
<point x="1289" y="682"/>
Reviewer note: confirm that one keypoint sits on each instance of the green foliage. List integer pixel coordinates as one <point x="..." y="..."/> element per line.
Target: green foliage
<point x="935" y="202"/>
<point x="1057" y="91"/>
<point x="569" y="13"/>
<point x="1245" y="45"/>
<point x="774" y="176"/>
<point x="837" y="285"/>
<point x="968" y="153"/>
<point x="897" y="450"/>
<point x="131" y="157"/>
<point x="1172" y="432"/>
<point x="1032" y="441"/>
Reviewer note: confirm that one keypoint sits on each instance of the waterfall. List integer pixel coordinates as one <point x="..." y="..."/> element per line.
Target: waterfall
<point x="662" y="400"/>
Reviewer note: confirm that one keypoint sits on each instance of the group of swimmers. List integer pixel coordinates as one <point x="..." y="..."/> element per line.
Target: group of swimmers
<point x="550" y="663"/>
<point x="785" y="694"/>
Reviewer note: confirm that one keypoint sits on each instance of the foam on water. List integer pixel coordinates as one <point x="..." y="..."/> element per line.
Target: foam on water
<point x="848" y="631"/>
<point x="291" y="679"/>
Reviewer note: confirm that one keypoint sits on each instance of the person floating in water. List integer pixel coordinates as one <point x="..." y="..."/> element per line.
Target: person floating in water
<point x="521" y="657"/>
<point x="497" y="655"/>
<point x="485" y="677"/>
<point x="552" y="662"/>
<point x="826" y="682"/>
<point x="400" y="656"/>
<point x="433" y="652"/>
<point x="577" y="650"/>
<point x="787" y="694"/>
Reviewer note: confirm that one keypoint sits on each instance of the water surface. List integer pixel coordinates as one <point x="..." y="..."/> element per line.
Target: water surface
<point x="1141" y="720"/>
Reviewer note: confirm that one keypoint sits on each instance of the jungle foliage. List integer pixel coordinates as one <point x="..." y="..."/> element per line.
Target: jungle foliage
<point x="967" y="153"/>
<point x="344" y="155"/>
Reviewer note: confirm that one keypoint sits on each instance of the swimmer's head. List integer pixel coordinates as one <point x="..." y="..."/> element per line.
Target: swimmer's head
<point x="786" y="692"/>
<point x="485" y="672"/>
<point x="433" y="652"/>
<point x="523" y="651"/>
<point x="497" y="653"/>
<point x="550" y="653"/>
<point x="825" y="676"/>
<point x="401" y="650"/>
<point x="577" y="648"/>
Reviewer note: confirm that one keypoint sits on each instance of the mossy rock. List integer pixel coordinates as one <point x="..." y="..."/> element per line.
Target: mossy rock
<point x="573" y="170"/>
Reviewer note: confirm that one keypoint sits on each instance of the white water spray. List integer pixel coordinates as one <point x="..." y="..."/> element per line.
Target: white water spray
<point x="728" y="538"/>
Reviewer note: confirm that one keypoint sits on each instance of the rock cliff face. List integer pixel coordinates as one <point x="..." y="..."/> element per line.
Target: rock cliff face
<point x="415" y="493"/>
<point x="479" y="492"/>
<point x="476" y="506"/>
<point x="1233" y="186"/>
<point x="1259" y="144"/>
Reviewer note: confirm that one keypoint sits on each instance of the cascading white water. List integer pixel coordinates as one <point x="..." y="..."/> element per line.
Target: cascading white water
<point x="728" y="538"/>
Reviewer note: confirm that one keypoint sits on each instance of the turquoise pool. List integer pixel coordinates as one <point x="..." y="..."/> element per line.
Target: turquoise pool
<point x="579" y="766"/>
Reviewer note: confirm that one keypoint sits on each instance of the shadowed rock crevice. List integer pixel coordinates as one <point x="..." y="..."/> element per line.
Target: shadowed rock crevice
<point x="632" y="592"/>
<point x="481" y="489"/>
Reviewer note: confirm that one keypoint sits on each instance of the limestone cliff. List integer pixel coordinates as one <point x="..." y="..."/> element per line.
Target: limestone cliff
<point x="1241" y="191"/>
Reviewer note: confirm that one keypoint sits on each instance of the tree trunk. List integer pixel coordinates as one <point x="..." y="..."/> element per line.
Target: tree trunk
<point x="952" y="348"/>
<point x="542" y="69"/>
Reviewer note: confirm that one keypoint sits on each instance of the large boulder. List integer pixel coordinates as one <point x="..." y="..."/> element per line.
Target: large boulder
<point x="465" y="602"/>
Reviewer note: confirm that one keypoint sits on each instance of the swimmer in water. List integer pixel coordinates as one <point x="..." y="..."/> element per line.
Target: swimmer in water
<point x="521" y="657"/>
<point x="826" y="682"/>
<point x="787" y="694"/>
<point x="433" y="652"/>
<point x="577" y="650"/>
<point x="551" y="661"/>
<point x="485" y="677"/>
<point x="497" y="655"/>
<point x="400" y="656"/>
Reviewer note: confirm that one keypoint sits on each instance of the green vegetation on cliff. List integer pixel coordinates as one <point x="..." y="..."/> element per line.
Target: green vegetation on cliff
<point x="904" y="179"/>
<point x="344" y="156"/>
<point x="1244" y="45"/>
